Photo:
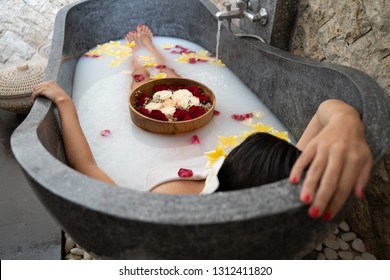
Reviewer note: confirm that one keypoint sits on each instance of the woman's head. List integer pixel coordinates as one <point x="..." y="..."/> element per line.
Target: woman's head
<point x="262" y="158"/>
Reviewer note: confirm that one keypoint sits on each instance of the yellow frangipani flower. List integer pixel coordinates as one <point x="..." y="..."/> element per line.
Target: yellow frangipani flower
<point x="217" y="62"/>
<point x="184" y="58"/>
<point x="203" y="55"/>
<point x="245" y="135"/>
<point x="214" y="155"/>
<point x="281" y="135"/>
<point x="159" y="76"/>
<point x="94" y="52"/>
<point x="228" y="141"/>
<point x="148" y="57"/>
<point x="167" y="46"/>
<point x="150" y="64"/>
<point x="130" y="44"/>
<point x="259" y="127"/>
<point x="257" y="114"/>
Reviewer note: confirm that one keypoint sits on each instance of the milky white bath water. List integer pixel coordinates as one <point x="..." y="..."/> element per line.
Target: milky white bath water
<point x="101" y="95"/>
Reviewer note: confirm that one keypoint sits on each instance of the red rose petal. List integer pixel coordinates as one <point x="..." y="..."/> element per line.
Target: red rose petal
<point x="86" y="55"/>
<point x="195" y="139"/>
<point x="216" y="113"/>
<point x="175" y="52"/>
<point x="158" y="115"/>
<point x="192" y="60"/>
<point x="238" y="117"/>
<point x="139" y="78"/>
<point x="185" y="173"/>
<point x="95" y="56"/>
<point x="196" y="111"/>
<point x="105" y="132"/>
<point x="202" y="60"/>
<point x="248" y="115"/>
<point x="181" y="115"/>
<point x="161" y="66"/>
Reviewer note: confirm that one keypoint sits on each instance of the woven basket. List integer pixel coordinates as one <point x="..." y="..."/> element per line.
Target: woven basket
<point x="16" y="84"/>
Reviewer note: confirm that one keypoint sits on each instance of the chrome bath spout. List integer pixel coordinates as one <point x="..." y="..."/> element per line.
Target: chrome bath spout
<point x="243" y="9"/>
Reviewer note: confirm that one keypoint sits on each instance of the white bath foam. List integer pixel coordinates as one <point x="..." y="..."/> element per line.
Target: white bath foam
<point x="101" y="95"/>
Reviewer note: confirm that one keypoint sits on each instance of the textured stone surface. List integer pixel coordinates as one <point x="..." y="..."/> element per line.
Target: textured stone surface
<point x="352" y="32"/>
<point x="99" y="212"/>
<point x="24" y="25"/>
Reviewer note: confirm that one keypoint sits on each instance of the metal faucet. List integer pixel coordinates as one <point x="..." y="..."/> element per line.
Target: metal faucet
<point x="242" y="10"/>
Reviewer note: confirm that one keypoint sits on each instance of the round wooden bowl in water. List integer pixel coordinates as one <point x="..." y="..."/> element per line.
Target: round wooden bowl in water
<point x="166" y="127"/>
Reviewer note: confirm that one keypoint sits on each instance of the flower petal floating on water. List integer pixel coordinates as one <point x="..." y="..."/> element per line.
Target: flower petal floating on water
<point x="148" y="57"/>
<point x="185" y="173"/>
<point x="105" y="132"/>
<point x="259" y="127"/>
<point x="216" y="113"/>
<point x="159" y="76"/>
<point x="195" y="139"/>
<point x="130" y="44"/>
<point x="150" y="63"/>
<point x="139" y="78"/>
<point x="217" y="62"/>
<point x="281" y="135"/>
<point x="167" y="46"/>
<point x="214" y="155"/>
<point x="230" y="141"/>
<point x="161" y="66"/>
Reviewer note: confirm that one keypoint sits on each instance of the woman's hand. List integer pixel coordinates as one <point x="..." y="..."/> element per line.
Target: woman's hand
<point x="337" y="159"/>
<point x="50" y="90"/>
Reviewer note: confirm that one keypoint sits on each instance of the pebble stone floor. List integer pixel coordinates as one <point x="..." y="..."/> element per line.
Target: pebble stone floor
<point x="342" y="244"/>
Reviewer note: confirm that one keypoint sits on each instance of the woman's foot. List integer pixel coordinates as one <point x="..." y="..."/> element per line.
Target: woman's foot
<point x="145" y="35"/>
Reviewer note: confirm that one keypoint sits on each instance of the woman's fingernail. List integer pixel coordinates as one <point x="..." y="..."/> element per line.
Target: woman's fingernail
<point x="313" y="212"/>
<point x="294" y="179"/>
<point x="306" y="198"/>
<point x="360" y="193"/>
<point x="327" y="216"/>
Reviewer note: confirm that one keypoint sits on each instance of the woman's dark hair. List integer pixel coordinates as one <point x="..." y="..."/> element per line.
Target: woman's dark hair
<point x="261" y="159"/>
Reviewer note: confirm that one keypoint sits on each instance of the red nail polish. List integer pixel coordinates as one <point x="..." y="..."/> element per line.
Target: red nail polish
<point x="327" y="217"/>
<point x="294" y="179"/>
<point x="361" y="194"/>
<point x="133" y="31"/>
<point x="139" y="25"/>
<point x="313" y="212"/>
<point x="306" y="198"/>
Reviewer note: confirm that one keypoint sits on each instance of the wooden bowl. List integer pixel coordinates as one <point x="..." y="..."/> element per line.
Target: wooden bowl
<point x="170" y="127"/>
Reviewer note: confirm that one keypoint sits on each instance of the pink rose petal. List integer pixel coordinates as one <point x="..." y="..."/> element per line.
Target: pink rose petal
<point x="95" y="56"/>
<point x="161" y="66"/>
<point x="175" y="52"/>
<point x="195" y="139"/>
<point x="105" y="133"/>
<point x="185" y="173"/>
<point x="216" y="113"/>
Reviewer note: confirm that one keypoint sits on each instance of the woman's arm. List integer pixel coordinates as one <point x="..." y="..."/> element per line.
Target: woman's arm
<point x="336" y="156"/>
<point x="77" y="150"/>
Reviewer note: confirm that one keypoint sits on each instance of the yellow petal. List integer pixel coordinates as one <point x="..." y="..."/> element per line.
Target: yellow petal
<point x="214" y="155"/>
<point x="245" y="135"/>
<point x="281" y="135"/>
<point x="159" y="76"/>
<point x="148" y="57"/>
<point x="150" y="64"/>
<point x="167" y="46"/>
<point x="94" y="52"/>
<point x="259" y="127"/>
<point x="130" y="44"/>
<point x="228" y="141"/>
<point x="216" y="63"/>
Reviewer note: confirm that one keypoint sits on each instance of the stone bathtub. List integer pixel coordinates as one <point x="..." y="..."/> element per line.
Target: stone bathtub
<point x="265" y="222"/>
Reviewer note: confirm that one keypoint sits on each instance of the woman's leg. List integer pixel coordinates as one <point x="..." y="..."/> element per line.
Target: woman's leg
<point x="140" y="74"/>
<point x="145" y="35"/>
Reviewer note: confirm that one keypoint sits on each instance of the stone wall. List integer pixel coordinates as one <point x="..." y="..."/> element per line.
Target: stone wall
<point x="353" y="33"/>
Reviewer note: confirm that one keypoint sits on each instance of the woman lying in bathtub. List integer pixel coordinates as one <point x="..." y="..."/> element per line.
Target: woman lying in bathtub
<point x="332" y="151"/>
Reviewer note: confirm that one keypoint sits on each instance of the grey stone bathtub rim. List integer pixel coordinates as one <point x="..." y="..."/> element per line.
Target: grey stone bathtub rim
<point x="162" y="209"/>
